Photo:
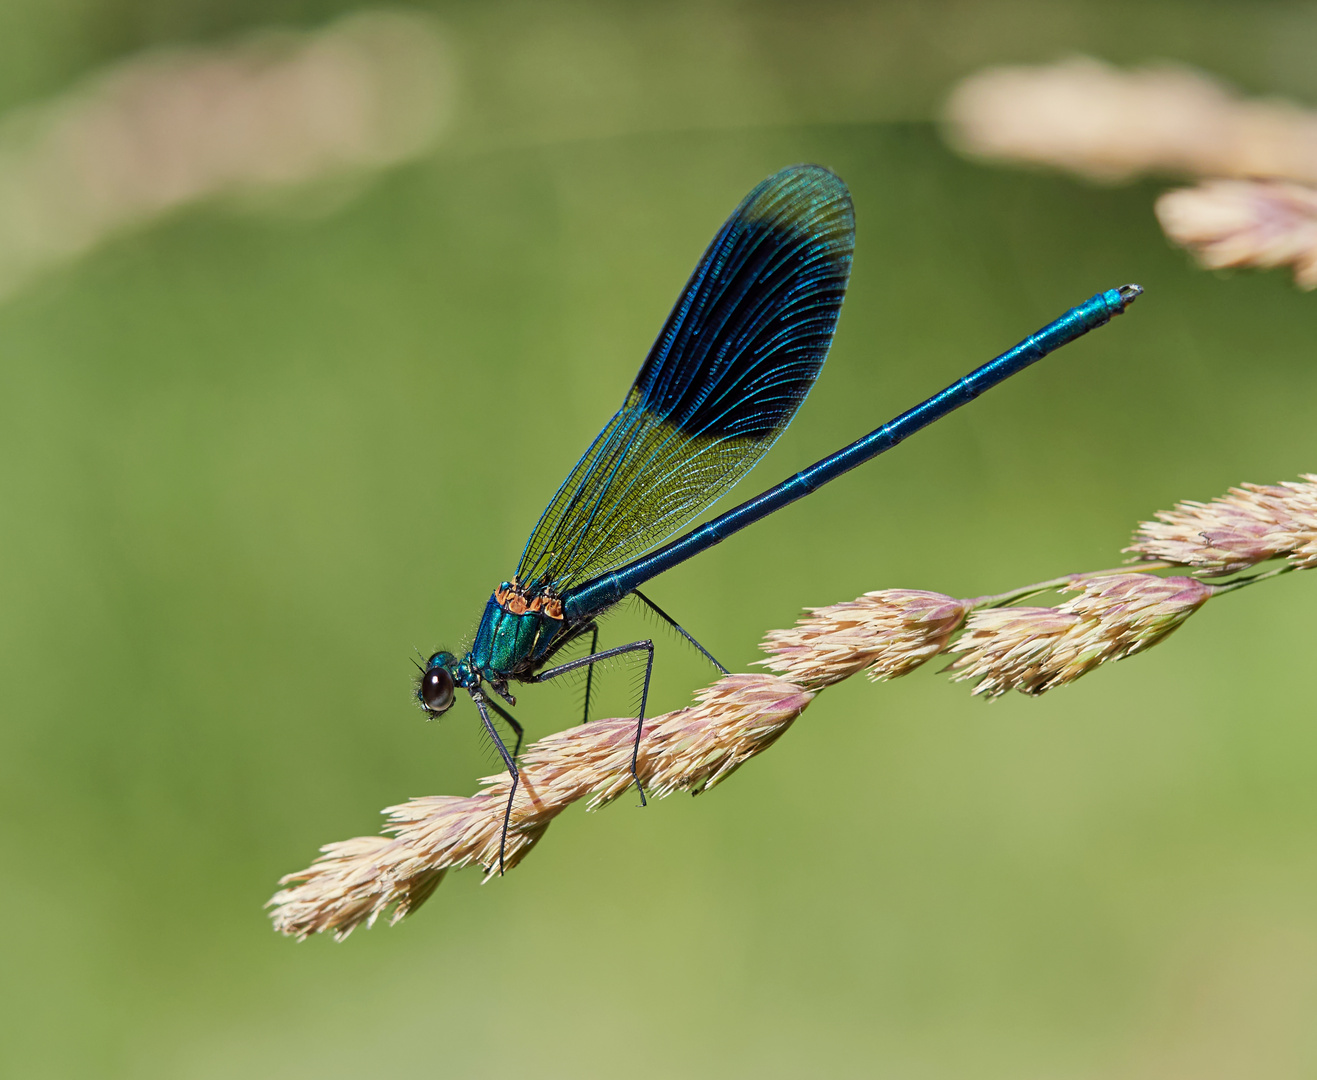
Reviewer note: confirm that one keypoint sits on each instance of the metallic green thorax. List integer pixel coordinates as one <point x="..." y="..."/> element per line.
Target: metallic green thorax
<point x="514" y="635"/>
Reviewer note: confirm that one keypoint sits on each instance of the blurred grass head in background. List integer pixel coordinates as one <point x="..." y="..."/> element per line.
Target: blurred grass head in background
<point x="172" y="127"/>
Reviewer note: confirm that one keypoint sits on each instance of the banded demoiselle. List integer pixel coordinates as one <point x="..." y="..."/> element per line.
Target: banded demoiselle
<point x="732" y="365"/>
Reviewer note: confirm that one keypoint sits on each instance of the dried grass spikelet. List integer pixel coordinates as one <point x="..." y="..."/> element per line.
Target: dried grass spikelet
<point x="890" y="632"/>
<point x="1033" y="649"/>
<point x="1247" y="526"/>
<point x="355" y="881"/>
<point x="1090" y="118"/>
<point x="1259" y="223"/>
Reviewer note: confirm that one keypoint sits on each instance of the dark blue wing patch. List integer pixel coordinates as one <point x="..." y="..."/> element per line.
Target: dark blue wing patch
<point x="749" y="335"/>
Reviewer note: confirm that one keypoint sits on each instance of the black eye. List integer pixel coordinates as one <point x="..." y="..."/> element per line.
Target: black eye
<point x="436" y="689"/>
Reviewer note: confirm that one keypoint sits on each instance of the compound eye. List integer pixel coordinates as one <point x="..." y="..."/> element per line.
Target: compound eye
<point x="436" y="689"/>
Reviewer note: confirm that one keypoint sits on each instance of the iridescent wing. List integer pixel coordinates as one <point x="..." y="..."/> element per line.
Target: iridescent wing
<point x="734" y="362"/>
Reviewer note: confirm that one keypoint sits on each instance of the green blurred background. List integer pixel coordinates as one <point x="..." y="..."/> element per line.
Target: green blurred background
<point x="249" y="464"/>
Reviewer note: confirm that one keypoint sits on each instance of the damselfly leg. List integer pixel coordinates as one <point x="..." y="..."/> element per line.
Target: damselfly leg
<point x="509" y="760"/>
<point x="677" y="627"/>
<point x="508" y="719"/>
<point x="589" y="672"/>
<point x="589" y="661"/>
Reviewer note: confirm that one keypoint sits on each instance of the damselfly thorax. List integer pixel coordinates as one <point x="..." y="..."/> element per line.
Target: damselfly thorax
<point x="517" y="632"/>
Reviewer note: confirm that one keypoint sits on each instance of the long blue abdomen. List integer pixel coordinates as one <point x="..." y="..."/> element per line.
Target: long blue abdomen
<point x="606" y="590"/>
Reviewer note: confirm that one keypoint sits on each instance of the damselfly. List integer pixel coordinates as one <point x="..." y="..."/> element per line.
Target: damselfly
<point x="741" y="349"/>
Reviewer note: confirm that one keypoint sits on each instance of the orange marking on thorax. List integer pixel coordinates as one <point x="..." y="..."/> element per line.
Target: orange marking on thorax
<point x="513" y="600"/>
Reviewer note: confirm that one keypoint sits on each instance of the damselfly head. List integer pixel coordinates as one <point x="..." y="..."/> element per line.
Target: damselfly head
<point x="435" y="691"/>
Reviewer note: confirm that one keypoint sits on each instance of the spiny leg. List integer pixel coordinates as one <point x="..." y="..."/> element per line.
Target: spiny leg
<point x="566" y="640"/>
<point x="480" y="701"/>
<point x="589" y="672"/>
<point x="677" y="627"/>
<point x="507" y="716"/>
<point x="594" y="658"/>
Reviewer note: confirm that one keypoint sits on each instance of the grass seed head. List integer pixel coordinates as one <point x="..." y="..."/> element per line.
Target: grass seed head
<point x="1033" y="649"/>
<point x="890" y="633"/>
<point x="354" y="881"/>
<point x="1249" y="525"/>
